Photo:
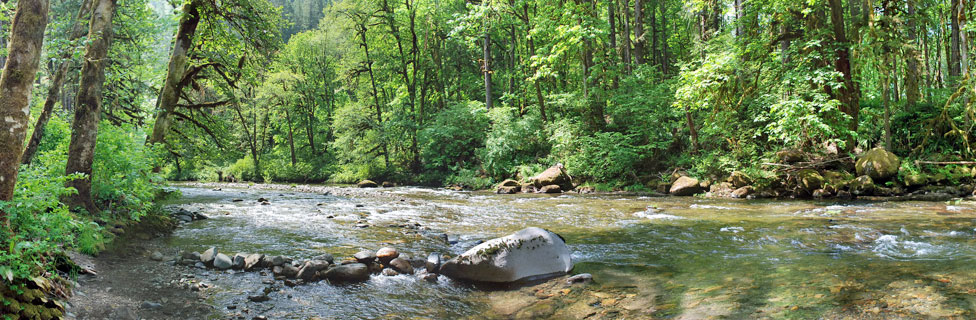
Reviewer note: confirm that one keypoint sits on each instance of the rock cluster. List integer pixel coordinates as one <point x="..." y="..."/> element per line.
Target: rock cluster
<point x="553" y="180"/>
<point x="187" y="216"/>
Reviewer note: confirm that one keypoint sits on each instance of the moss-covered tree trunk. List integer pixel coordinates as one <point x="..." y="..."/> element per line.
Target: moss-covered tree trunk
<point x="169" y="96"/>
<point x="84" y="130"/>
<point x="57" y="81"/>
<point x="16" y="83"/>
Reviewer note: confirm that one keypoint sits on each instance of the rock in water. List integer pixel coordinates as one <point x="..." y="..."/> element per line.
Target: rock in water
<point x="401" y="266"/>
<point x="809" y="179"/>
<point x="433" y="263"/>
<point x="739" y="179"/>
<point x="365" y="256"/>
<point x="685" y="186"/>
<point x="743" y="192"/>
<point x="309" y="271"/>
<point x="239" y="261"/>
<point x="507" y="190"/>
<point x="387" y="254"/>
<point x="367" y="184"/>
<point x="554" y="175"/>
<point x="878" y="163"/>
<point x="253" y="261"/>
<point x="353" y="272"/>
<point x="551" y="189"/>
<point x="207" y="257"/>
<point x="222" y="262"/>
<point x="531" y="253"/>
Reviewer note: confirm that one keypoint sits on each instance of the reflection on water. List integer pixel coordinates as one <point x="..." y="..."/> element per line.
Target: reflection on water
<point x="685" y="258"/>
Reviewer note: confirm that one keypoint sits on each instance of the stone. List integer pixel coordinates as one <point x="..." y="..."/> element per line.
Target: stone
<point x="878" y="163"/>
<point x="261" y="297"/>
<point x="531" y="253"/>
<point x="554" y="175"/>
<point x="685" y="186"/>
<point x="190" y="255"/>
<point x="821" y="193"/>
<point x="722" y="189"/>
<point x="253" y="261"/>
<point x="528" y="188"/>
<point x="238" y="261"/>
<point x="429" y="277"/>
<point x="367" y="184"/>
<point x="862" y="186"/>
<point x="156" y="256"/>
<point x="510" y="183"/>
<point x="585" y="190"/>
<point x="222" y="262"/>
<point x="790" y="156"/>
<point x="325" y="257"/>
<point x="739" y="179"/>
<point x="387" y="184"/>
<point x="809" y="180"/>
<point x="286" y="270"/>
<point x="353" y="272"/>
<point x="389" y="272"/>
<point x="433" y="263"/>
<point x="277" y="261"/>
<point x="743" y="192"/>
<point x="550" y="189"/>
<point x="401" y="265"/>
<point x="309" y="271"/>
<point x="580" y="278"/>
<point x="913" y="180"/>
<point x="207" y="257"/>
<point x="507" y="190"/>
<point x="386" y="254"/>
<point x="365" y="256"/>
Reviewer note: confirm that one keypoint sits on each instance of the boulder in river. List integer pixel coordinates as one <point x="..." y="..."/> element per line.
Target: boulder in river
<point x="387" y="184"/>
<point x="222" y="262"/>
<point x="238" y="261"/>
<point x="387" y="254"/>
<point x="685" y="186"/>
<point x="809" y="180"/>
<point x="253" y="261"/>
<point x="401" y="265"/>
<point x="531" y="253"/>
<point x="739" y="179"/>
<point x="286" y="270"/>
<point x="309" y="271"/>
<point x="367" y="184"/>
<point x="551" y="189"/>
<point x="365" y="256"/>
<point x="433" y="263"/>
<point x="862" y="186"/>
<point x="353" y="272"/>
<point x="207" y="257"/>
<point x="878" y="163"/>
<point x="743" y="192"/>
<point x="507" y="190"/>
<point x="554" y="175"/>
<point x="509" y="183"/>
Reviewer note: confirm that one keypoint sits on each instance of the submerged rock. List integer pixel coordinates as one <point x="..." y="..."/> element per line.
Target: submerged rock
<point x="878" y="163"/>
<point x="528" y="254"/>
<point x="685" y="186"/>
<point x="433" y="263"/>
<point x="551" y="189"/>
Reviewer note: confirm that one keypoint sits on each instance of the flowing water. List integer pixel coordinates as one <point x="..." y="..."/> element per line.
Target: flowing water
<point x="683" y="258"/>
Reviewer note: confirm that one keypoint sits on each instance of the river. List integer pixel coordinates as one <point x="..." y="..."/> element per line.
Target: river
<point x="651" y="257"/>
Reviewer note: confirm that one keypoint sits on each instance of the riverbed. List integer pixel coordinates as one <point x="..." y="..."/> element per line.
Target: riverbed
<point x="651" y="257"/>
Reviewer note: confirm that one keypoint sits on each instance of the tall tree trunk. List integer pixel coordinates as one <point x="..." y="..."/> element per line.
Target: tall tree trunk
<point x="848" y="93"/>
<point x="57" y="81"/>
<point x="376" y="94"/>
<point x="638" y="32"/>
<point x="963" y="40"/>
<point x="486" y="66"/>
<point x="911" y="62"/>
<point x="665" y="64"/>
<point x="84" y="130"/>
<point x="169" y="96"/>
<point x="954" y="37"/>
<point x="16" y="84"/>
<point x="628" y="56"/>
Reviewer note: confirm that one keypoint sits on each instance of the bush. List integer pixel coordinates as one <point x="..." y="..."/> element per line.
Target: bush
<point x="512" y="141"/>
<point x="122" y="176"/>
<point x="454" y="136"/>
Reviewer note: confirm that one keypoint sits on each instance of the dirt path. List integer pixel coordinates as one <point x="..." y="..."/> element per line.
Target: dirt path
<point x="131" y="285"/>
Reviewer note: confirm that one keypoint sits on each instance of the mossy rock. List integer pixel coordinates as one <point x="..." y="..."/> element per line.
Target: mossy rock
<point x="790" y="156"/>
<point x="862" y="186"/>
<point x="878" y="163"/>
<point x="913" y="180"/>
<point x="367" y="184"/>
<point x="739" y="179"/>
<point x="510" y="183"/>
<point x="809" y="179"/>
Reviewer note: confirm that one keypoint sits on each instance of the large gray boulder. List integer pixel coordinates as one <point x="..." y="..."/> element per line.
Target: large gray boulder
<point x="222" y="262"/>
<point x="531" y="253"/>
<point x="554" y="175"/>
<point x="353" y="272"/>
<point x="878" y="163"/>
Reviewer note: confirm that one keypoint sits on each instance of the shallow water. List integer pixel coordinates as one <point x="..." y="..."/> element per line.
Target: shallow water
<point x="685" y="258"/>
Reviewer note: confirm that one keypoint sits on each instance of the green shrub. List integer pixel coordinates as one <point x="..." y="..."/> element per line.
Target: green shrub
<point x="454" y="136"/>
<point x="512" y="141"/>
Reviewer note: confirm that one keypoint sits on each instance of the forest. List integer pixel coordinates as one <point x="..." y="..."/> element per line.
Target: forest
<point x="106" y="101"/>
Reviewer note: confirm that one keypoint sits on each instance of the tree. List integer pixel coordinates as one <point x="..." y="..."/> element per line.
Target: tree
<point x="84" y="129"/>
<point x="16" y="85"/>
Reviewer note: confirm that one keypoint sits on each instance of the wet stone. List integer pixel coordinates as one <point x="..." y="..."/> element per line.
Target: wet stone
<point x="365" y="256"/>
<point x="207" y="257"/>
<point x="387" y="254"/>
<point x="222" y="262"/>
<point x="401" y="266"/>
<point x="253" y="261"/>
